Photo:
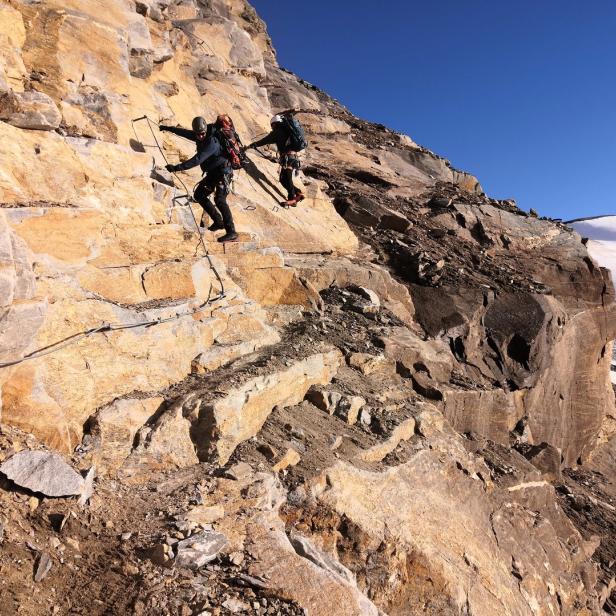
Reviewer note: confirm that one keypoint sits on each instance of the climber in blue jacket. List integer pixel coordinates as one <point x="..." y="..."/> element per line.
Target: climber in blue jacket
<point x="213" y="158"/>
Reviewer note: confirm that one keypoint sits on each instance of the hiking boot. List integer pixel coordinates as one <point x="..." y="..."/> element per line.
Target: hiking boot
<point x="229" y="236"/>
<point x="299" y="196"/>
<point x="217" y="226"/>
<point x="290" y="202"/>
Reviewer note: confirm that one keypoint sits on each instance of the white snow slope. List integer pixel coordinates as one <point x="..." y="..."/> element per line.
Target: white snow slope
<point x="602" y="235"/>
<point x="602" y="248"/>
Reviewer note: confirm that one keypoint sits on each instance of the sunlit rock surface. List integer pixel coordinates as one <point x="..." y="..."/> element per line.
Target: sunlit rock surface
<point x="478" y="373"/>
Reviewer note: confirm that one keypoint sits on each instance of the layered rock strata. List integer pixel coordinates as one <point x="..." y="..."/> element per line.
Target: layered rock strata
<point x="460" y="348"/>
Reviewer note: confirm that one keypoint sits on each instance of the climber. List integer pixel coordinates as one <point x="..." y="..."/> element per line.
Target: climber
<point x="288" y="136"/>
<point x="216" y="149"/>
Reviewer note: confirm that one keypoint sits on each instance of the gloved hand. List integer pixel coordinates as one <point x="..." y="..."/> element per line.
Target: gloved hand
<point x="172" y="168"/>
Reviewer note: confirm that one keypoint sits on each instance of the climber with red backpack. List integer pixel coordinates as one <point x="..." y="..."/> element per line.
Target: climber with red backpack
<point x="288" y="135"/>
<point x="219" y="152"/>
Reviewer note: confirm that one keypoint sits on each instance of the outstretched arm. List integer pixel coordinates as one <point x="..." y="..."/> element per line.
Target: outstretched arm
<point x="209" y="150"/>
<point x="178" y="130"/>
<point x="271" y="138"/>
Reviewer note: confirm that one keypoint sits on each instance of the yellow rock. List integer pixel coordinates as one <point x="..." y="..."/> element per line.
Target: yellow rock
<point x="100" y="234"/>
<point x="169" y="280"/>
<point x="205" y="514"/>
<point x="290" y="458"/>
<point x="121" y="284"/>
<point x="12" y="25"/>
<point x="243" y="410"/>
<point x="114" y="428"/>
<point x="197" y="427"/>
<point x="370" y="364"/>
<point x="402" y="432"/>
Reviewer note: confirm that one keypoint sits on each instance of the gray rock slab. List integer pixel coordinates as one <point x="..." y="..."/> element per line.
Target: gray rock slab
<point x="239" y="471"/>
<point x="43" y="566"/>
<point x="200" y="549"/>
<point x="303" y="547"/>
<point x="44" y="472"/>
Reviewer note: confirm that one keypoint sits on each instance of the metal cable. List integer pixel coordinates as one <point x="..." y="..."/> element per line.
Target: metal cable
<point x="199" y="40"/>
<point x="54" y="347"/>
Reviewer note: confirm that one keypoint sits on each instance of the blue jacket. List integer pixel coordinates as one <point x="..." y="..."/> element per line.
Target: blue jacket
<point x="210" y="155"/>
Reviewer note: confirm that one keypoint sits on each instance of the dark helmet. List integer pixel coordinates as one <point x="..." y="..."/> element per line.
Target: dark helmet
<point x="199" y="125"/>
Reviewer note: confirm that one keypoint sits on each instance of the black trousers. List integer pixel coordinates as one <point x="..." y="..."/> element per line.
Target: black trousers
<point x="289" y="163"/>
<point x="218" y="182"/>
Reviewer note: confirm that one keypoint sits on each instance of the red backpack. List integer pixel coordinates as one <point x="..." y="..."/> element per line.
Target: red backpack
<point x="229" y="141"/>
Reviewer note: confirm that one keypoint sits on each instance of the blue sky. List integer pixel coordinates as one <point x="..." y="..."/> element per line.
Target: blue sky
<point x="522" y="94"/>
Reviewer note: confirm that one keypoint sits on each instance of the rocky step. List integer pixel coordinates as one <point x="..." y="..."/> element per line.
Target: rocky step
<point x="207" y="425"/>
<point x="245" y="242"/>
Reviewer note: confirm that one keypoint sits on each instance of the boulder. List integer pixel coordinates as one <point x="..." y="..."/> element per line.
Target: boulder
<point x="402" y="432"/>
<point x="204" y="514"/>
<point x="161" y="554"/>
<point x="165" y="444"/>
<point x="239" y="414"/>
<point x="239" y="471"/>
<point x="290" y="458"/>
<point x="412" y="354"/>
<point x="334" y="403"/>
<point x="369" y="364"/>
<point x="44" y="472"/>
<point x="200" y="549"/>
<point x="368" y="304"/>
<point x="210" y="427"/>
<point x="325" y="400"/>
<point x="348" y="408"/>
<point x="395" y="222"/>
<point x="114" y="428"/>
<point x="547" y="459"/>
<point x="43" y="567"/>
<point x="32" y="110"/>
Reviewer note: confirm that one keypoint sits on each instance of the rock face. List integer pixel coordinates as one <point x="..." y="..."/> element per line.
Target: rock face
<point x="22" y="312"/>
<point x="109" y="243"/>
<point x="391" y="509"/>
<point x="241" y="412"/>
<point x="419" y="362"/>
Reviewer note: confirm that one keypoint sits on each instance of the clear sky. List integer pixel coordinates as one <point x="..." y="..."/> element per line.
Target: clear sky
<point x="520" y="93"/>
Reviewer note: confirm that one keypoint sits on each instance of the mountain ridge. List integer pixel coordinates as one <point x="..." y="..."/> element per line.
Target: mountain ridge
<point x="392" y="397"/>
